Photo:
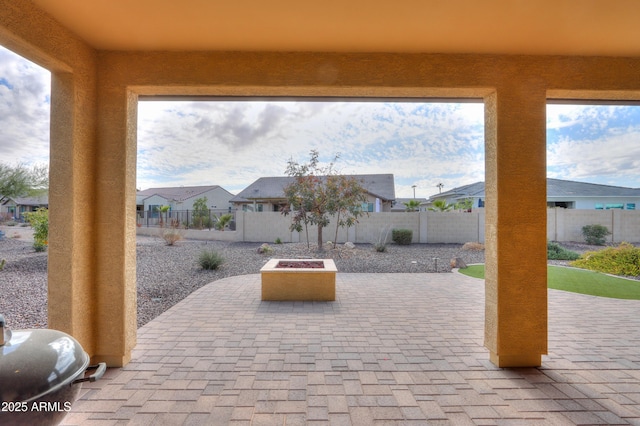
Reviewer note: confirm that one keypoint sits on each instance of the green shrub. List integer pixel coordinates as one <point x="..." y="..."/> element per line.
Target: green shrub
<point x="278" y="241"/>
<point x="2" y="263"/>
<point x="210" y="260"/>
<point x="556" y="252"/>
<point x="380" y="247"/>
<point x="171" y="235"/>
<point x="39" y="221"/>
<point x="594" y="234"/>
<point x="402" y="236"/>
<point x="622" y="260"/>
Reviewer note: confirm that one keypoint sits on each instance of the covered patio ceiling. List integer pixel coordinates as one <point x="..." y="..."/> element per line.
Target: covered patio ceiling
<point x="541" y="27"/>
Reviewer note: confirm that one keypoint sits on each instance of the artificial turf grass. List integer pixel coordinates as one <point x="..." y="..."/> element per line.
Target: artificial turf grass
<point x="579" y="281"/>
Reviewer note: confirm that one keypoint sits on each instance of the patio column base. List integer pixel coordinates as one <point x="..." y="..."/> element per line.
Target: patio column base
<point x="112" y="360"/>
<point x="516" y="360"/>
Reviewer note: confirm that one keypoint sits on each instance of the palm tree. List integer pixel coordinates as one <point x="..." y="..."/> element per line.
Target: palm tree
<point x="223" y="221"/>
<point x="441" y="206"/>
<point x="163" y="209"/>
<point x="412" y="205"/>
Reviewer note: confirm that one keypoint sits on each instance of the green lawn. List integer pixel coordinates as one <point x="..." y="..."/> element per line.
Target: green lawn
<point x="579" y="281"/>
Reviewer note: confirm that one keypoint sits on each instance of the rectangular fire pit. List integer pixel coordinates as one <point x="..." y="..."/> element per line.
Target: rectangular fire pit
<point x="299" y="280"/>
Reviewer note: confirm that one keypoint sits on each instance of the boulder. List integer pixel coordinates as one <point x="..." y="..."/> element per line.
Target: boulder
<point x="457" y="262"/>
<point x="349" y="245"/>
<point x="265" y="249"/>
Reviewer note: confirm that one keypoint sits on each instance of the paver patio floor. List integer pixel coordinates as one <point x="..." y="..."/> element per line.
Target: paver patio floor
<point x="392" y="349"/>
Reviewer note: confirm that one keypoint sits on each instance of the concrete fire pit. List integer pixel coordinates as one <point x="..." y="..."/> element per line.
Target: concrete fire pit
<point x="299" y="280"/>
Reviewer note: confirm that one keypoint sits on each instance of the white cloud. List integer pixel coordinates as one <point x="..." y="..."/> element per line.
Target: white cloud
<point x="596" y="143"/>
<point x="234" y="143"/>
<point x="614" y="158"/>
<point x="24" y="110"/>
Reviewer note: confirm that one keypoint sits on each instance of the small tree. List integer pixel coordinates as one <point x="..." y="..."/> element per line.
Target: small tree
<point x="346" y="197"/>
<point x="200" y="212"/>
<point x="21" y="181"/>
<point x="39" y="221"/>
<point x="163" y="209"/>
<point x="318" y="192"/>
<point x="298" y="205"/>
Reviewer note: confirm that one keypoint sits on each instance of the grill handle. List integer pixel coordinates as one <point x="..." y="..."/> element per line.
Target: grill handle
<point x="5" y="333"/>
<point x="100" y="369"/>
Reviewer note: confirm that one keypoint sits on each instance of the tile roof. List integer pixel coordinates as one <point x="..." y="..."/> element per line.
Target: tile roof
<point x="399" y="204"/>
<point x="555" y="188"/>
<point x="266" y="188"/>
<point x="179" y="193"/>
<point x="39" y="200"/>
<point x="560" y="188"/>
<point x="471" y="190"/>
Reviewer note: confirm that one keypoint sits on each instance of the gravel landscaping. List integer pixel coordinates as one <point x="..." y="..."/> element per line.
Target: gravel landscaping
<point x="167" y="274"/>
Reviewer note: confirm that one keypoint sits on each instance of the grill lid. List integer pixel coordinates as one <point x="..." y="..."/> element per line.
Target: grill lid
<point x="34" y="362"/>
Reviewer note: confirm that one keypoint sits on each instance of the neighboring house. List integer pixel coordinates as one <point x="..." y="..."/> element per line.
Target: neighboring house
<point x="183" y="197"/>
<point x="267" y="193"/>
<point x="14" y="208"/>
<point x="399" y="206"/>
<point x="474" y="191"/>
<point x="560" y="193"/>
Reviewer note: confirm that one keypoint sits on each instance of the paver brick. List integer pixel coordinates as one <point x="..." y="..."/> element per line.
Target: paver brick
<point x="382" y="353"/>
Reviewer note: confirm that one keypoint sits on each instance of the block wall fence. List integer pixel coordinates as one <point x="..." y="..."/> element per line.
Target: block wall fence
<point x="428" y="227"/>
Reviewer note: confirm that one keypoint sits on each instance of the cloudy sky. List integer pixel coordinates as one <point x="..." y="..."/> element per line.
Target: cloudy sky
<point x="233" y="143"/>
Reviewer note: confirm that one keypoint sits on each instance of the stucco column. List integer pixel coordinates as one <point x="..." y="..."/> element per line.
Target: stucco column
<point x="115" y="228"/>
<point x="71" y="275"/>
<point x="516" y="266"/>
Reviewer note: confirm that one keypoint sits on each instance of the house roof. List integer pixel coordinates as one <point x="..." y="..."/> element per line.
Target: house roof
<point x="178" y="193"/>
<point x="399" y="203"/>
<point x="471" y="190"/>
<point x="567" y="188"/>
<point x="555" y="188"/>
<point x="541" y="27"/>
<point x="272" y="188"/>
<point x="40" y="200"/>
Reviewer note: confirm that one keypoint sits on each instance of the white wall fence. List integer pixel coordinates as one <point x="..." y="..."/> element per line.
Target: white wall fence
<point x="427" y="227"/>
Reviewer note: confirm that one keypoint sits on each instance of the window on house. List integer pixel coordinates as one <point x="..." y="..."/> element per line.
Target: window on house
<point x="615" y="206"/>
<point x="599" y="206"/>
<point x="631" y="206"/>
<point x="259" y="207"/>
<point x="561" y="204"/>
<point x="367" y="207"/>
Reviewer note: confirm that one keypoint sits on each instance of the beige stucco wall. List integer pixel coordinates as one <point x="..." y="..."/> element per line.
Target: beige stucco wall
<point x="93" y="144"/>
<point x="72" y="302"/>
<point x="566" y="224"/>
<point x="563" y="225"/>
